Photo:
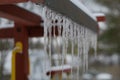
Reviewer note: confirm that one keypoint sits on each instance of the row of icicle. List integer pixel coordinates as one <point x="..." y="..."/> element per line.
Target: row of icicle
<point x="72" y="34"/>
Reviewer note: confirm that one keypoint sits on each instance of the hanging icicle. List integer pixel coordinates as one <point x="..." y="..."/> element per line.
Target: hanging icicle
<point x="71" y="33"/>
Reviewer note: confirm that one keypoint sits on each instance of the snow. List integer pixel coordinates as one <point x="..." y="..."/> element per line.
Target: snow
<point x="76" y="61"/>
<point x="99" y="14"/>
<point x="93" y="6"/>
<point x="87" y="76"/>
<point x="62" y="67"/>
<point x="81" y="6"/>
<point x="7" y="65"/>
<point x="104" y="76"/>
<point x="102" y="25"/>
<point x="5" y="23"/>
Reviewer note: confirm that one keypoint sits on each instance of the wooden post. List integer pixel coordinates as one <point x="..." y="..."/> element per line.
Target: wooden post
<point x="22" y="59"/>
<point x="17" y="50"/>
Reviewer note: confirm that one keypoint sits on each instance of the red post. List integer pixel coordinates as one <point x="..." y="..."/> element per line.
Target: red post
<point x="22" y="59"/>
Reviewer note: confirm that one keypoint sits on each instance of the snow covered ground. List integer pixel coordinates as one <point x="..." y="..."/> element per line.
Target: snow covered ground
<point x="40" y="64"/>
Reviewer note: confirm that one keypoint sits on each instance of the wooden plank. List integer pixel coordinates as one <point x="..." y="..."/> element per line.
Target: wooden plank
<point x="39" y="31"/>
<point x="100" y="18"/>
<point x="19" y="15"/>
<point x="36" y="31"/>
<point x="2" y="2"/>
<point x="38" y="1"/>
<point x="6" y="33"/>
<point x="11" y="1"/>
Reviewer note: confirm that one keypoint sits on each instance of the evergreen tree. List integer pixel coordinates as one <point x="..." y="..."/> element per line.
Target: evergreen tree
<point x="111" y="37"/>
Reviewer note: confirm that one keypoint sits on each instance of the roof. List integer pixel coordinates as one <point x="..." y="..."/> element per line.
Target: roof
<point x="74" y="10"/>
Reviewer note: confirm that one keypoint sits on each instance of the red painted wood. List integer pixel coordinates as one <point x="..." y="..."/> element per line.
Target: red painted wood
<point x="20" y="15"/>
<point x="3" y="2"/>
<point x="36" y="31"/>
<point x="57" y="71"/>
<point x="11" y="1"/>
<point x="6" y="33"/>
<point x="22" y="63"/>
<point x="100" y="18"/>
<point x="38" y="1"/>
<point x="39" y="31"/>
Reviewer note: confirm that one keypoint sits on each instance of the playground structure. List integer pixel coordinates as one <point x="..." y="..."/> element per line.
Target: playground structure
<point x="25" y="27"/>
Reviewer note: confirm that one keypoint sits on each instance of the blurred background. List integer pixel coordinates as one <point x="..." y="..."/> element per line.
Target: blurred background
<point x="106" y="66"/>
<point x="108" y="58"/>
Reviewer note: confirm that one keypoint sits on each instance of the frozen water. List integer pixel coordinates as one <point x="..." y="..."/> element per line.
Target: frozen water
<point x="72" y="34"/>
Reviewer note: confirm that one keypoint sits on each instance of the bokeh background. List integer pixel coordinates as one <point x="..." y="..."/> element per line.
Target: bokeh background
<point x="106" y="66"/>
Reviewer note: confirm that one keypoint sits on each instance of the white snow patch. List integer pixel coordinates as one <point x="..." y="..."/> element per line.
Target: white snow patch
<point x="81" y="6"/>
<point x="104" y="76"/>
<point x="62" y="67"/>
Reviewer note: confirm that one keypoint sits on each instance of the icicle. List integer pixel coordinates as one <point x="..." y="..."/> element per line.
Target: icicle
<point x="64" y="45"/>
<point x="93" y="42"/>
<point x="72" y="50"/>
<point x="69" y="31"/>
<point x="78" y="54"/>
<point x="45" y="35"/>
<point x="47" y="16"/>
<point x="87" y="48"/>
<point x="95" y="45"/>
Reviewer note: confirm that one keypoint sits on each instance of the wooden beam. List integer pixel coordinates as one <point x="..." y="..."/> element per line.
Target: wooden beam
<point x="19" y="15"/>
<point x="2" y="2"/>
<point x="38" y="1"/>
<point x="39" y="31"/>
<point x="11" y="1"/>
<point x="36" y="31"/>
<point x="32" y="32"/>
<point x="59" y="69"/>
<point x="6" y="33"/>
<point x="100" y="17"/>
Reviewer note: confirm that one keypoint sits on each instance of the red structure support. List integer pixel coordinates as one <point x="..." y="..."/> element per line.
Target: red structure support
<point x="22" y="60"/>
<point x="19" y="15"/>
<point x="2" y="2"/>
<point x="36" y="31"/>
<point x="20" y="32"/>
<point x="23" y="28"/>
<point x="6" y="33"/>
<point x="100" y="18"/>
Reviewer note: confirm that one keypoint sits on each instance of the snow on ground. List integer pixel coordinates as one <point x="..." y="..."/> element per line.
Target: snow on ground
<point x="104" y="76"/>
<point x="62" y="67"/>
<point x="40" y="64"/>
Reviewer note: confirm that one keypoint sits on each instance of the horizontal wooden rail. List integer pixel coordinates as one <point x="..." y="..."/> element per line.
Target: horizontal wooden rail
<point x="6" y="33"/>
<point x="36" y="31"/>
<point x="3" y="2"/>
<point x="18" y="14"/>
